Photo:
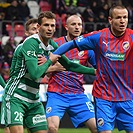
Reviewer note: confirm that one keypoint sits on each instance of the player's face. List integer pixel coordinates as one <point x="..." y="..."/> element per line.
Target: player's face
<point x="74" y="26"/>
<point x="33" y="29"/>
<point x="47" y="28"/>
<point x="119" y="21"/>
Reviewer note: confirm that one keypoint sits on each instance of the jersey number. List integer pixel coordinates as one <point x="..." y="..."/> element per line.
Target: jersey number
<point x="19" y="116"/>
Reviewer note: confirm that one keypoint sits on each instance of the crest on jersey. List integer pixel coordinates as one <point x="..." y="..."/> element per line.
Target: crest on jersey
<point x="48" y="110"/>
<point x="125" y="45"/>
<point x="81" y="53"/>
<point x="100" y="122"/>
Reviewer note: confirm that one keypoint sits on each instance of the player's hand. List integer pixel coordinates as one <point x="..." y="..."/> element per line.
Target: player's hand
<point x="58" y="67"/>
<point x="54" y="57"/>
<point x="41" y="60"/>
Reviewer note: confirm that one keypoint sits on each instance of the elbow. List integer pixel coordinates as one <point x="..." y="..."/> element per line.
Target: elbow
<point x="34" y="76"/>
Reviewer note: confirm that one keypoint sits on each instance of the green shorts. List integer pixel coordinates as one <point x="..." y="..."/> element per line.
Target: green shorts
<point x="17" y="112"/>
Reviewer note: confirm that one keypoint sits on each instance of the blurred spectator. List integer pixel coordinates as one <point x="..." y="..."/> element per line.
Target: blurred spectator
<point x="94" y="6"/>
<point x="130" y="11"/>
<point x="101" y="21"/>
<point x="24" y="10"/>
<point x="9" y="49"/>
<point x="2" y="17"/>
<point x="1" y="54"/>
<point x="5" y="71"/>
<point x="89" y="19"/>
<point x="88" y="13"/>
<point x="44" y="5"/>
<point x="72" y="6"/>
<point x="12" y="12"/>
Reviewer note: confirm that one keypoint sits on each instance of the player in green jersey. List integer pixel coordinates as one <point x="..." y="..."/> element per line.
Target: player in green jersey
<point x="2" y="82"/>
<point x="21" y="105"/>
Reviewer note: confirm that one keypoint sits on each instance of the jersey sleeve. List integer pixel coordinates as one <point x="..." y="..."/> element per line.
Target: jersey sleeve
<point x="29" y="51"/>
<point x="2" y="82"/>
<point x="91" y="58"/>
<point x="84" y="42"/>
<point x="75" y="67"/>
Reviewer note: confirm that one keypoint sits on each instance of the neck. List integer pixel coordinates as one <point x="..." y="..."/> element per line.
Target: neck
<point x="44" y="40"/>
<point x="69" y="38"/>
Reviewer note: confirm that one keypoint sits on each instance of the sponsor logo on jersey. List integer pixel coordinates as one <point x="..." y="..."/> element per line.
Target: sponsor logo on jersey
<point x="125" y="45"/>
<point x="31" y="53"/>
<point x="115" y="56"/>
<point x="100" y="122"/>
<point x="79" y="38"/>
<point x="48" y="110"/>
<point x="105" y="43"/>
<point x="38" y="118"/>
<point x="81" y="53"/>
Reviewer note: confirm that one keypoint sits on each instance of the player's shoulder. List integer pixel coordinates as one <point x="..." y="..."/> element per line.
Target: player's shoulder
<point x="96" y="33"/>
<point x="59" y="39"/>
<point x="129" y="31"/>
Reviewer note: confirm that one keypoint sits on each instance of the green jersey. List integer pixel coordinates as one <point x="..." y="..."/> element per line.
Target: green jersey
<point x="25" y="73"/>
<point x="2" y="82"/>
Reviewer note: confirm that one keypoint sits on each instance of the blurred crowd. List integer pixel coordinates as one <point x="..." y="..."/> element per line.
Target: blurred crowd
<point x="93" y="11"/>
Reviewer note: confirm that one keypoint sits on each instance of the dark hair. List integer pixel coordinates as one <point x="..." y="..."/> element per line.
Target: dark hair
<point x="115" y="7"/>
<point x="46" y="14"/>
<point x="30" y="21"/>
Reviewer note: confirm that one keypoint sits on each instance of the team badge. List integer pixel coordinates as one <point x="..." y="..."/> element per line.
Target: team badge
<point x="100" y="122"/>
<point x="81" y="53"/>
<point x="48" y="110"/>
<point x="125" y="45"/>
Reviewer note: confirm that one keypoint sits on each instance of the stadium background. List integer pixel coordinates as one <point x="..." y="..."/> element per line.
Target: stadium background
<point x="93" y="12"/>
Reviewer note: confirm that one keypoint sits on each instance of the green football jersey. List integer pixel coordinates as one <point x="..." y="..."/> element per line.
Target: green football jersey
<point x="2" y="82"/>
<point x="25" y="74"/>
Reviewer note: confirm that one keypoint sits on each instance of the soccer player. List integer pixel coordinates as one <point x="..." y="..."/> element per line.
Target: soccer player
<point x="21" y="98"/>
<point x="113" y="87"/>
<point x="66" y="88"/>
<point x="2" y="82"/>
<point x="21" y="104"/>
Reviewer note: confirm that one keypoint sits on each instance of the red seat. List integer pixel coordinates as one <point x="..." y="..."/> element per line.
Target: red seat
<point x="19" y="30"/>
<point x="9" y="29"/>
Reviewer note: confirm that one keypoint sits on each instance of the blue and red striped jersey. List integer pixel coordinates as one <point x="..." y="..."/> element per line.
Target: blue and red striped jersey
<point x="114" y="59"/>
<point x="66" y="81"/>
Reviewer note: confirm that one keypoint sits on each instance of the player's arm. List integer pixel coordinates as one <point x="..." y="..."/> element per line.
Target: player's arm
<point x="75" y="67"/>
<point x="2" y="82"/>
<point x="29" y="51"/>
<point x="84" y="42"/>
<point x="91" y="58"/>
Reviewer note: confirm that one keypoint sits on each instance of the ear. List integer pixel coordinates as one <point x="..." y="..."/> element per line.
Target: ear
<point x="110" y="20"/>
<point x="26" y="33"/>
<point x="66" y="27"/>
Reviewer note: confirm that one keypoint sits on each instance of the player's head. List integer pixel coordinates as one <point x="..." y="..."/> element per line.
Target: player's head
<point x="31" y="27"/>
<point x="46" y="24"/>
<point x="74" y="26"/>
<point x="118" y="19"/>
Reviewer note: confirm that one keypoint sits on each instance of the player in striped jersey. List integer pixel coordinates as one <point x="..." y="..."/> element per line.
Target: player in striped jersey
<point x="113" y="87"/>
<point x="65" y="89"/>
<point x="21" y="104"/>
